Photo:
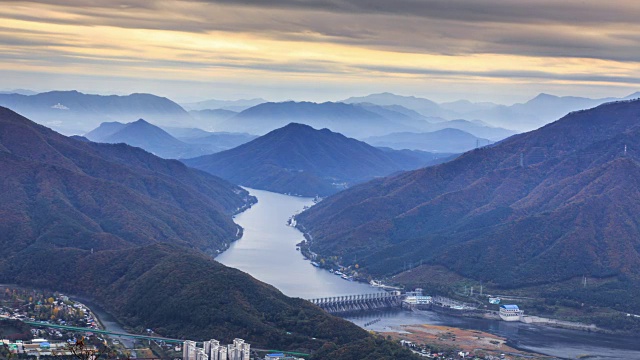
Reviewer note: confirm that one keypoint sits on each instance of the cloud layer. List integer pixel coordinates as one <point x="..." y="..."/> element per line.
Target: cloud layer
<point x="507" y="44"/>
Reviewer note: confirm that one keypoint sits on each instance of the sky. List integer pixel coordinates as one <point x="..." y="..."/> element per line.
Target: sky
<point x="503" y="51"/>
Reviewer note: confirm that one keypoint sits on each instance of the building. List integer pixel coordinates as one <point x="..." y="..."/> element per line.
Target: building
<point x="510" y="313"/>
<point x="213" y="350"/>
<point x="189" y="350"/>
<point x="279" y="356"/>
<point x="418" y="300"/>
<point x="200" y="354"/>
<point x="239" y="350"/>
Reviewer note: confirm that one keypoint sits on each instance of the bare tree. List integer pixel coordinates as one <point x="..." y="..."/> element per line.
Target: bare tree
<point x="80" y="350"/>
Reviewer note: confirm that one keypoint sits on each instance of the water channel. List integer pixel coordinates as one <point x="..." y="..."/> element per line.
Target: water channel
<point x="267" y="251"/>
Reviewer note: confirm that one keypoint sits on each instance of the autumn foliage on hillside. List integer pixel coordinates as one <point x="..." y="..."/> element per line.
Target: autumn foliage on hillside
<point x="540" y="207"/>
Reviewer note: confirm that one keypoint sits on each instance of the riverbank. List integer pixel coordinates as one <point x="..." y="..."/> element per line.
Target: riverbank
<point x="453" y="340"/>
<point x="267" y="250"/>
<point x="542" y="321"/>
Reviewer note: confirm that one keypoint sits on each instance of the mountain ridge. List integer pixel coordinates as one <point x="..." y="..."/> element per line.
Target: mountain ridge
<point x="473" y="207"/>
<point x="301" y="160"/>
<point x="74" y="112"/>
<point x="158" y="141"/>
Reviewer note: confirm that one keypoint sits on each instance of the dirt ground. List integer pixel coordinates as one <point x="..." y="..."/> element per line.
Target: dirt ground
<point x="472" y="341"/>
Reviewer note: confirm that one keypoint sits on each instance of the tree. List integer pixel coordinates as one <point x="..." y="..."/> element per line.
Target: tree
<point x="81" y="351"/>
<point x="5" y="353"/>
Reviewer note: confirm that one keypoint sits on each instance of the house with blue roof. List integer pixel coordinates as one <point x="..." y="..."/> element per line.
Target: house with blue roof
<point x="510" y="313"/>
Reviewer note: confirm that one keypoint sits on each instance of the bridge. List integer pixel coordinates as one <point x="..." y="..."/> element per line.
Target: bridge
<point x="104" y="332"/>
<point x="139" y="337"/>
<point x="341" y="304"/>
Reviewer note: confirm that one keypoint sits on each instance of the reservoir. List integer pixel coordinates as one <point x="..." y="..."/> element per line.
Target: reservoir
<point x="267" y="251"/>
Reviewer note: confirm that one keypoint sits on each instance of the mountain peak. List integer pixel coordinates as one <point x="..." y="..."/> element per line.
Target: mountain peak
<point x="543" y="96"/>
<point x="295" y="126"/>
<point x="299" y="159"/>
<point x="635" y="95"/>
<point x="563" y="187"/>
<point x="141" y="122"/>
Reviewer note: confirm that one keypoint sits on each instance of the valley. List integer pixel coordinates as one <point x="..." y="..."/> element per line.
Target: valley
<point x="319" y="180"/>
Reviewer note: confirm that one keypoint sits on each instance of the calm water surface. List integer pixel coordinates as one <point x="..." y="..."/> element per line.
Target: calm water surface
<point x="267" y="251"/>
<point x="567" y="344"/>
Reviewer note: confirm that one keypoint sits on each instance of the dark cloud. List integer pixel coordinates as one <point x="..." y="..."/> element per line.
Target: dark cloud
<point x="494" y="11"/>
<point x="539" y="75"/>
<point x="546" y="28"/>
<point x="501" y="11"/>
<point x="568" y="29"/>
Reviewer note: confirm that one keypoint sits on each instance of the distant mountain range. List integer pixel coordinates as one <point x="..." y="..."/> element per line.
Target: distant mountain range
<point x="355" y="120"/>
<point x="219" y="141"/>
<point x="212" y="119"/>
<point x="298" y="159"/>
<point x="445" y="140"/>
<point x="344" y="118"/>
<point x="131" y="232"/>
<point x="231" y="105"/>
<point x="19" y="91"/>
<point x="159" y="142"/>
<point x="72" y="112"/>
<point x="532" y="114"/>
<point x="541" y="207"/>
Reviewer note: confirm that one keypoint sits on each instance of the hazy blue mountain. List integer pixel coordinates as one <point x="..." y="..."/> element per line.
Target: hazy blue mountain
<point x="635" y="95"/>
<point x="217" y="141"/>
<point x="475" y="128"/>
<point x="233" y="105"/>
<point x="105" y="130"/>
<point x="530" y="115"/>
<point x="423" y="106"/>
<point x="440" y="141"/>
<point x="79" y="138"/>
<point x="351" y="120"/>
<point x="220" y="141"/>
<point x="186" y="132"/>
<point x="466" y="106"/>
<point x="212" y="119"/>
<point x="19" y="91"/>
<point x="298" y="159"/>
<point x="534" y="113"/>
<point x="72" y="112"/>
<point x="399" y="115"/>
<point x="159" y="142"/>
<point x="554" y="204"/>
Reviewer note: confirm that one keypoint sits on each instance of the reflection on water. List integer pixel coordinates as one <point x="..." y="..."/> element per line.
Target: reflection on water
<point x="267" y="251"/>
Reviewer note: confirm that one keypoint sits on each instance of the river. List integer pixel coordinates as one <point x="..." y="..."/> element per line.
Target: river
<point x="267" y="251"/>
<point x="109" y="323"/>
